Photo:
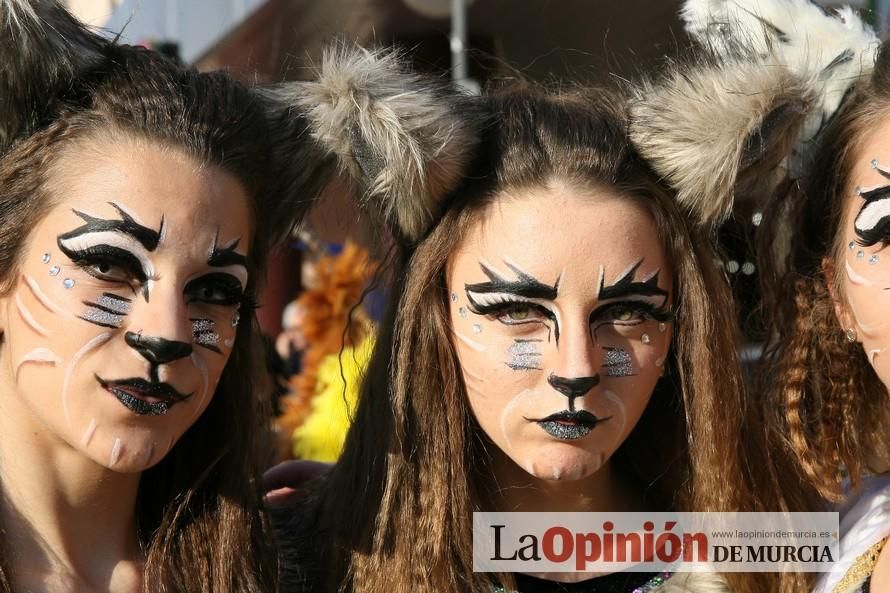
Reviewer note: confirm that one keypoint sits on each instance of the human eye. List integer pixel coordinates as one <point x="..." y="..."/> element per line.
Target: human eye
<point x="508" y="309"/>
<point x="629" y="313"/>
<point x="215" y="289"/>
<point x="108" y="263"/>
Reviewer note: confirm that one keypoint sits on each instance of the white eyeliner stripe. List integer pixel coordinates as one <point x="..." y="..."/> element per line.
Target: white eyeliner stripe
<point x="113" y="239"/>
<point x="625" y="272"/>
<point x="872" y="214"/>
<point x="94" y="343"/>
<point x="28" y="318"/>
<point x="652" y="275"/>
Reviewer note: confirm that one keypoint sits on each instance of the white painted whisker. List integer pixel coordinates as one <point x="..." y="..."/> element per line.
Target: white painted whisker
<point x="37" y="356"/>
<point x="28" y="318"/>
<point x="471" y="343"/>
<point x="94" y="343"/>
<point x="88" y="433"/>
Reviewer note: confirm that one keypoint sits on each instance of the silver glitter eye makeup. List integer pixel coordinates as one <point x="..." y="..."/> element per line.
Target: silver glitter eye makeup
<point x="617" y="363"/>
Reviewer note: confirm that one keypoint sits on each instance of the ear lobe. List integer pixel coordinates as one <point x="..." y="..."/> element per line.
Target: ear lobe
<point x="841" y="311"/>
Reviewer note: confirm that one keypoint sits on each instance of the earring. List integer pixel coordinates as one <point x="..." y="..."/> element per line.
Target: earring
<point x="851" y="335"/>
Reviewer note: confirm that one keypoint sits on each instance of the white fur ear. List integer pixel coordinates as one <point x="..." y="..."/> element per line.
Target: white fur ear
<point x="743" y="114"/>
<point x="831" y="49"/>
<point x="403" y="139"/>
<point x="42" y="49"/>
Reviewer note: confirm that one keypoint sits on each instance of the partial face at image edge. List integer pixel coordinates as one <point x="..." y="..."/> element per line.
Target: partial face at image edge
<point x="126" y="307"/>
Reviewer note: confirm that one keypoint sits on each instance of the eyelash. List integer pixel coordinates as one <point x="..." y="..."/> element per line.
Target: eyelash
<point x="230" y="288"/>
<point x="97" y="255"/>
<point x="501" y="307"/>
<point x="641" y="311"/>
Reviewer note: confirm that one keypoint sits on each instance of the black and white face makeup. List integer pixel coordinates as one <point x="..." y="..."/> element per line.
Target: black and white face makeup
<point x="561" y="313"/>
<point x="866" y="265"/>
<point x="127" y="304"/>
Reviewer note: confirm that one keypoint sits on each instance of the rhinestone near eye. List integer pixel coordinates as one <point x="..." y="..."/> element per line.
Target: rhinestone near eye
<point x="477" y="329"/>
<point x="873" y="259"/>
<point x="54" y="271"/>
<point x="645" y="338"/>
<point x="860" y="254"/>
<point x="874" y="163"/>
<point x="45" y="258"/>
<point x="68" y="283"/>
<point x="851" y="245"/>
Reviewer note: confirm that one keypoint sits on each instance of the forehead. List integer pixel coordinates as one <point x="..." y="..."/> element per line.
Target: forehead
<point x="551" y="229"/>
<point x="151" y="183"/>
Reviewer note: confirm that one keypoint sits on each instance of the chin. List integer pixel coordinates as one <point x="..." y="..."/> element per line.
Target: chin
<point x="563" y="463"/>
<point x="127" y="450"/>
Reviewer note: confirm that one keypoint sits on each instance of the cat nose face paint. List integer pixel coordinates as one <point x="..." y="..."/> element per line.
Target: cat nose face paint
<point x="560" y="312"/>
<point x="125" y="308"/>
<point x="865" y="272"/>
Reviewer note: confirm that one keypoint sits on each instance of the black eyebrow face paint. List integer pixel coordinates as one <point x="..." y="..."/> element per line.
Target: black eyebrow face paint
<point x="487" y="298"/>
<point x="526" y="286"/>
<point x="147" y="237"/>
<point x="225" y="256"/>
<point x="625" y="286"/>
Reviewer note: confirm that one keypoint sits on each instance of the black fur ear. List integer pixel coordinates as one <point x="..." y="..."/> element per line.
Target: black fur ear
<point x="404" y="140"/>
<point x="42" y="50"/>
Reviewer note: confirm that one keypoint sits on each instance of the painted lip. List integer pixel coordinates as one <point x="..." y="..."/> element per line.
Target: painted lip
<point x="570" y="426"/>
<point x="142" y="397"/>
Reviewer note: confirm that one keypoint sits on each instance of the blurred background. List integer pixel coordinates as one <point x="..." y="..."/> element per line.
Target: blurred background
<point x="320" y="328"/>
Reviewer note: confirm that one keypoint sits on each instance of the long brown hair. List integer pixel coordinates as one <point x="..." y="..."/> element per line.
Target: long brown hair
<point x="198" y="515"/>
<point x="827" y="408"/>
<point x="395" y="513"/>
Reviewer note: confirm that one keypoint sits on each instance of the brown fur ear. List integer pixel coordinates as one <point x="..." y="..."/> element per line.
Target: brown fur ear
<point x="719" y="129"/>
<point x="43" y="48"/>
<point x="403" y="139"/>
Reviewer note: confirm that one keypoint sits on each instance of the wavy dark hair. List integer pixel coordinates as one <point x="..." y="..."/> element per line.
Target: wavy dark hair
<point x="826" y="405"/>
<point x="198" y="510"/>
<point x="394" y="515"/>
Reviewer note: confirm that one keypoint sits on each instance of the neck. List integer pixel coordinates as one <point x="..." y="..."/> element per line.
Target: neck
<point x="517" y="490"/>
<point x="61" y="512"/>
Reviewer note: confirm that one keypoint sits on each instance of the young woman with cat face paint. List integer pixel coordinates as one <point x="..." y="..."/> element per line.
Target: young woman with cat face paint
<point x="558" y="337"/>
<point x="139" y="203"/>
<point x="808" y="145"/>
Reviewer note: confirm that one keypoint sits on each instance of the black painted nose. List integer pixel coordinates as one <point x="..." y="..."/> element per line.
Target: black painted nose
<point x="157" y="350"/>
<point x="573" y="387"/>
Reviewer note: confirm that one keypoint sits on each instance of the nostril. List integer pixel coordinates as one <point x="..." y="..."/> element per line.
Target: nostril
<point x="573" y="387"/>
<point x="157" y="350"/>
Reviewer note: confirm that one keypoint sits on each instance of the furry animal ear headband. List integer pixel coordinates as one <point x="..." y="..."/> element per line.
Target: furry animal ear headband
<point x="403" y="140"/>
<point x="52" y="65"/>
<point x="42" y="50"/>
<point x="743" y="115"/>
